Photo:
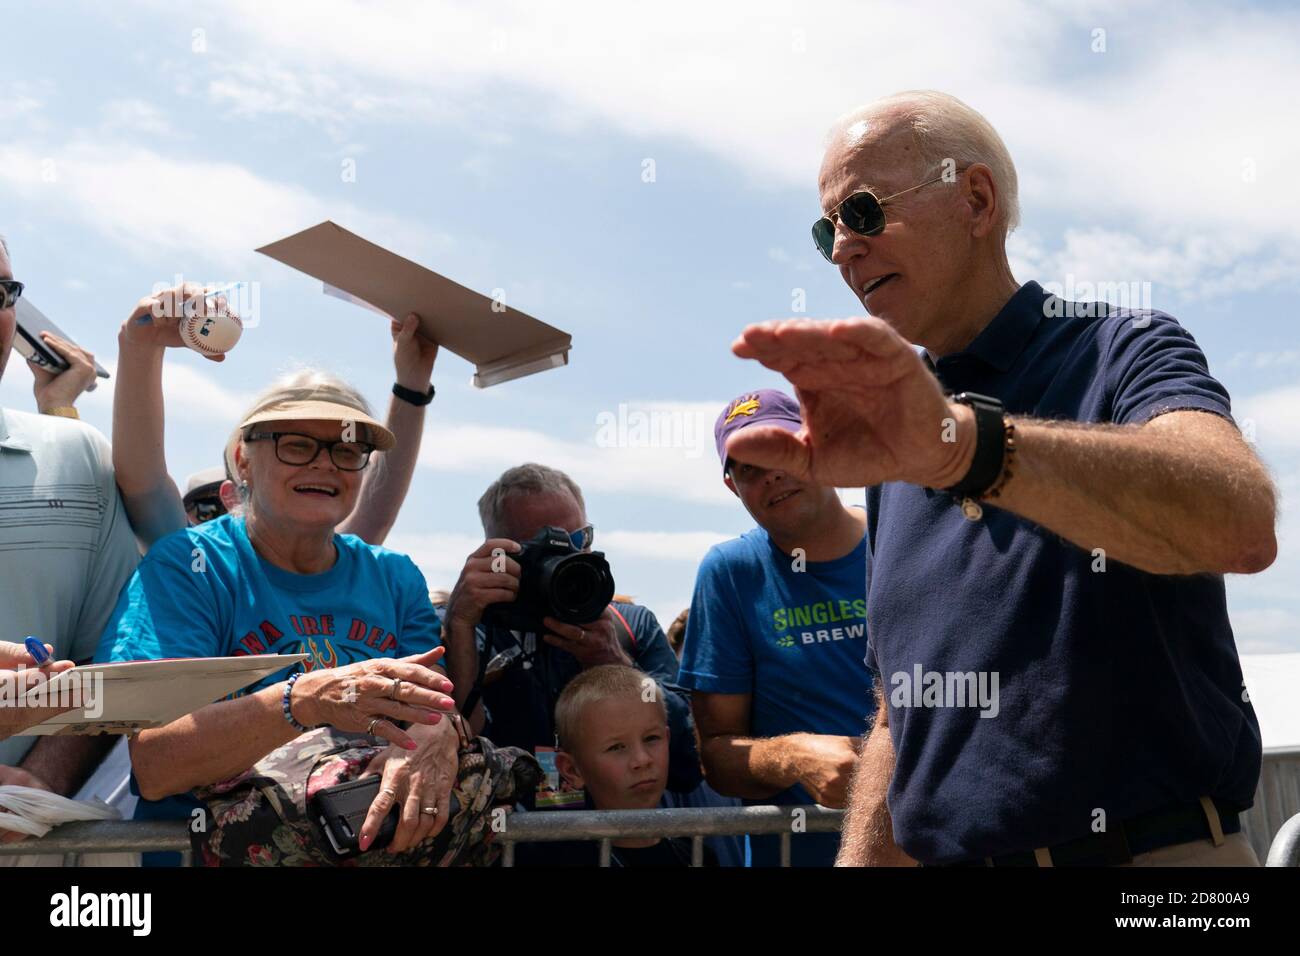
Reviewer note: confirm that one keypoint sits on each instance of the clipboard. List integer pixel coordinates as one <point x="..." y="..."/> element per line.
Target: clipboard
<point x="139" y="695"/>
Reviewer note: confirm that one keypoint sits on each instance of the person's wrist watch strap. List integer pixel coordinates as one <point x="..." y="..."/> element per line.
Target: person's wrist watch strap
<point x="413" y="397"/>
<point x="990" y="446"/>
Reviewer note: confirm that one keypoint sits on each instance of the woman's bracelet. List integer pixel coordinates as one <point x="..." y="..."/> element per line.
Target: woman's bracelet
<point x="286" y="703"/>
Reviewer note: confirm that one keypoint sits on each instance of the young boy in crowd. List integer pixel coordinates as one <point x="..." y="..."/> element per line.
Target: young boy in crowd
<point x="612" y="727"/>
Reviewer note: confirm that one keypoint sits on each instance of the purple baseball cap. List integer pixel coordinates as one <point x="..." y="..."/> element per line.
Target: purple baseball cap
<point x="767" y="406"/>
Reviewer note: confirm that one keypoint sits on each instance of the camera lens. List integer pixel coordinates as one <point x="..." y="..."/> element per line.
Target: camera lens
<point x="578" y="587"/>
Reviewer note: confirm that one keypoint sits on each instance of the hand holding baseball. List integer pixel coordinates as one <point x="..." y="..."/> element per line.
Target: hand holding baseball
<point x="176" y="317"/>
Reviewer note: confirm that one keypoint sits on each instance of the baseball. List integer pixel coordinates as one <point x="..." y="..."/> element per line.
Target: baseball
<point x="212" y="334"/>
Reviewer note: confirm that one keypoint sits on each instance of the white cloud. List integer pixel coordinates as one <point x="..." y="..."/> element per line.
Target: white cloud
<point x="191" y="396"/>
<point x="135" y="116"/>
<point x="1192" y="156"/>
<point x="677" y="461"/>
<point x="162" y="208"/>
<point x="439" y="555"/>
<point x="686" y="546"/>
<point x="1275" y="418"/>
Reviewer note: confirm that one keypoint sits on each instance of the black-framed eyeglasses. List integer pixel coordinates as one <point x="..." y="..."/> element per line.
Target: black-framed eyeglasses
<point x="293" y="448"/>
<point x="205" y="509"/>
<point x="583" y="537"/>
<point x="11" y="291"/>
<point x="862" y="213"/>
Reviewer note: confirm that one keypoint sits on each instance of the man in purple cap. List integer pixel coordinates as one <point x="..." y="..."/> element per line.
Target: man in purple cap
<point x="776" y="637"/>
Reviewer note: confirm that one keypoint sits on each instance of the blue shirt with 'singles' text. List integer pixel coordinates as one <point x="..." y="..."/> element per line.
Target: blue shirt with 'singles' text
<point x="794" y="640"/>
<point x="205" y="592"/>
<point x="1093" y="692"/>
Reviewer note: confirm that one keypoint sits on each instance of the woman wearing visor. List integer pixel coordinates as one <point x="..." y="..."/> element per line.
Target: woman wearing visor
<point x="278" y="578"/>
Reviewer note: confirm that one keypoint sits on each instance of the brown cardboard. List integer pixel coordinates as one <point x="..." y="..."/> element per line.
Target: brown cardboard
<point x="502" y="344"/>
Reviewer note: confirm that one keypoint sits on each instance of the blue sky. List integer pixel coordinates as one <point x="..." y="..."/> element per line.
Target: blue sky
<point x="506" y="148"/>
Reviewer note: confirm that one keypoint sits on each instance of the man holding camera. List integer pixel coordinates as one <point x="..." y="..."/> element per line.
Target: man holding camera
<point x="508" y="680"/>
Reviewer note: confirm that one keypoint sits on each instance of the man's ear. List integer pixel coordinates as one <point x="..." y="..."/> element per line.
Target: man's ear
<point x="983" y="199"/>
<point x="726" y="480"/>
<point x="568" y="768"/>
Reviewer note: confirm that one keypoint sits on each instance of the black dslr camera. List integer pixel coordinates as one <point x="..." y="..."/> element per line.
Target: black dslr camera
<point x="555" y="580"/>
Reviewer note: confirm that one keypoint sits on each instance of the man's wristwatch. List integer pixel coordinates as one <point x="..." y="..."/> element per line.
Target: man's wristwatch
<point x="61" y="411"/>
<point x="412" y="396"/>
<point x="990" y="452"/>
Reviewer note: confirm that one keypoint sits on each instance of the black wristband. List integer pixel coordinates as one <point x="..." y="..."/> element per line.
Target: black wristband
<point x="990" y="446"/>
<point x="412" y="396"/>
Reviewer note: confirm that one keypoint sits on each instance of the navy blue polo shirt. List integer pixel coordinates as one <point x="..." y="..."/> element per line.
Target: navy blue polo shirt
<point x="1031" y="696"/>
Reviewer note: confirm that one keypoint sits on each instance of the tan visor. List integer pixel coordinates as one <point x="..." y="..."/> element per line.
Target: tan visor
<point x="313" y="411"/>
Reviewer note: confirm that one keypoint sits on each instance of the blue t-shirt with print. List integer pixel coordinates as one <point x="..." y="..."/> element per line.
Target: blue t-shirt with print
<point x="205" y="592"/>
<point x="794" y="640"/>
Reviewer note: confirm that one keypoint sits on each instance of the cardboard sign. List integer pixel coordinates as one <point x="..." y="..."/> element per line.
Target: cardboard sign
<point x="502" y="343"/>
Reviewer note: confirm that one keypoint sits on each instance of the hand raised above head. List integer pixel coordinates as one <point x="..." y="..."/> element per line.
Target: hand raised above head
<point x="155" y="320"/>
<point x="413" y="353"/>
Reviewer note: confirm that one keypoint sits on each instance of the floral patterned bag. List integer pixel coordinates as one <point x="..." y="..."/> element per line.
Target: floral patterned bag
<point x="260" y="818"/>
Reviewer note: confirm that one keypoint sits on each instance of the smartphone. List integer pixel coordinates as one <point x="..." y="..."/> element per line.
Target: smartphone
<point x="342" y="809"/>
<point x="29" y="344"/>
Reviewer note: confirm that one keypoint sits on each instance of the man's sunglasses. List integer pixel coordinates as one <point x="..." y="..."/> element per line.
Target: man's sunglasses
<point x="862" y="213"/>
<point x="10" y="291"/>
<point x="583" y="537"/>
<point x="205" y="509"/>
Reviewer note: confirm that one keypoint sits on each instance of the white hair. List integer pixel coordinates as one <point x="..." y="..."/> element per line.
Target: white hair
<point x="944" y="127"/>
<point x="305" y="385"/>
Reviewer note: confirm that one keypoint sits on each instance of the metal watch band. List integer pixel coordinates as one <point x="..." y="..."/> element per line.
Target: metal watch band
<point x="412" y="396"/>
<point x="990" y="446"/>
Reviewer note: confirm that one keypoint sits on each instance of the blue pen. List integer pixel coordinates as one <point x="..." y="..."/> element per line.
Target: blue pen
<point x="36" y="648"/>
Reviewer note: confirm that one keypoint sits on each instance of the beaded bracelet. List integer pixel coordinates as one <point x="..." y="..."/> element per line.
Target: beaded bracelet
<point x="284" y="702"/>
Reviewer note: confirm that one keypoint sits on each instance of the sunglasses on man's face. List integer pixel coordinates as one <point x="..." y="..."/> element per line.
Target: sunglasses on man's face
<point x="583" y="537"/>
<point x="10" y="291"/>
<point x="205" y="509"/>
<point x="862" y="213"/>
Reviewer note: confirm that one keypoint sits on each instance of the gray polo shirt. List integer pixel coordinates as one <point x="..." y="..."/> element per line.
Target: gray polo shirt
<point x="66" y="547"/>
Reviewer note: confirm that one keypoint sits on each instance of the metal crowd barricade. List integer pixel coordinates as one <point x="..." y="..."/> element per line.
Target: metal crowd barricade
<point x="1272" y="825"/>
<point x="605" y="826"/>
<point x="71" y="840"/>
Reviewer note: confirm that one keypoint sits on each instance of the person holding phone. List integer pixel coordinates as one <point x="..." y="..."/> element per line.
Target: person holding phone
<point x="66" y="548"/>
<point x="279" y="578"/>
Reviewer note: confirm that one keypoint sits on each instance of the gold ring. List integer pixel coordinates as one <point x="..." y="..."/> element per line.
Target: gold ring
<point x="432" y="811"/>
<point x="371" y="729"/>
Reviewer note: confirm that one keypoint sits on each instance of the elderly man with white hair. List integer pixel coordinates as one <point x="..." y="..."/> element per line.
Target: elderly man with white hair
<point x="1055" y="491"/>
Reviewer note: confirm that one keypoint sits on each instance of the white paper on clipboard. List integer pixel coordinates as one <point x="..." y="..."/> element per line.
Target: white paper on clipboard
<point x="126" y="697"/>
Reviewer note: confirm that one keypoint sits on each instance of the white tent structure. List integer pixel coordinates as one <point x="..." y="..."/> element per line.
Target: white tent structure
<point x="1273" y="683"/>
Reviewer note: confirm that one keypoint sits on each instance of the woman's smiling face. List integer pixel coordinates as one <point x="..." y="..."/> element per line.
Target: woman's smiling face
<point x="317" y="494"/>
